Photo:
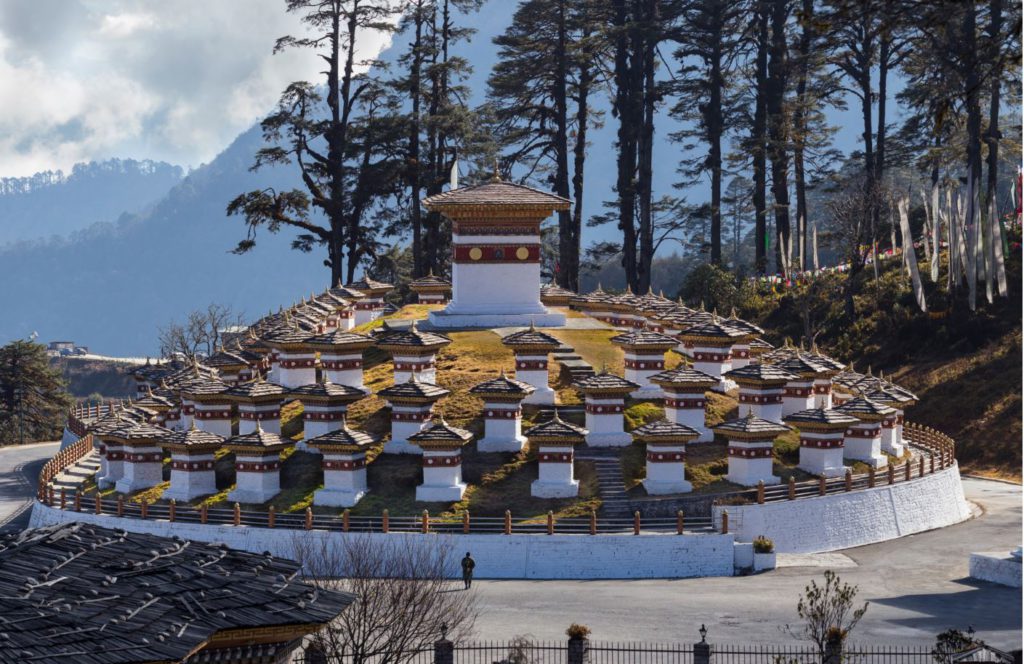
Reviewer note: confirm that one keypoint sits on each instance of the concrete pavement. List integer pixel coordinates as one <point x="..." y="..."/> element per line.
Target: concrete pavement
<point x="19" y="470"/>
<point x="917" y="587"/>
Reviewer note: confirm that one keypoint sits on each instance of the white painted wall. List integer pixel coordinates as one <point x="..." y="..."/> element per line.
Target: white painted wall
<point x="497" y="556"/>
<point x="843" y="520"/>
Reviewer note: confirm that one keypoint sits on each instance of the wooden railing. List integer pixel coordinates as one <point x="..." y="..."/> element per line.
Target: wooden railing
<point x="68" y="456"/>
<point x="938" y="453"/>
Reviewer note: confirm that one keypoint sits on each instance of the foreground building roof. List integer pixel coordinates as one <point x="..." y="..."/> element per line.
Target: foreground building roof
<point x="84" y="594"/>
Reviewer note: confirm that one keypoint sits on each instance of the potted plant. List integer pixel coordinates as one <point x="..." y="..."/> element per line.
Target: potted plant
<point x="764" y="553"/>
<point x="579" y="644"/>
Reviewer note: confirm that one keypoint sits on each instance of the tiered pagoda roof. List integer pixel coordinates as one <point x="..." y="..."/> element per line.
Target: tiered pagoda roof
<point x="343" y="440"/>
<point x="530" y="338"/>
<point x="556" y="430"/>
<point x="412" y="338"/>
<point x="803" y="366"/>
<point x="555" y="291"/>
<point x="503" y="386"/>
<point x="367" y="285"/>
<point x="828" y="419"/>
<point x="192" y="440"/>
<point x="495" y="194"/>
<point x="327" y="391"/>
<point x="644" y="338"/>
<point x="413" y="390"/>
<point x="340" y="340"/>
<point x="440" y="434"/>
<point x="134" y="432"/>
<point x="154" y="402"/>
<point x="256" y="390"/>
<point x="258" y="440"/>
<point x="866" y="409"/>
<point x="226" y="358"/>
<point x="750" y="427"/>
<point x="740" y="324"/>
<point x="430" y="282"/>
<point x="682" y="377"/>
<point x="761" y="374"/>
<point x="664" y="431"/>
<point x="713" y="330"/>
<point x="605" y="383"/>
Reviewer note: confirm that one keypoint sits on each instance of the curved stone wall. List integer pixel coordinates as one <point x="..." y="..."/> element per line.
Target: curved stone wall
<point x="844" y="520"/>
<point x="649" y="556"/>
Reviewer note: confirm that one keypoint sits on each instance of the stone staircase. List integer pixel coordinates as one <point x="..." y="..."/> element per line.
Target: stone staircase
<point x="573" y="366"/>
<point x="75" y="475"/>
<point x="614" y="501"/>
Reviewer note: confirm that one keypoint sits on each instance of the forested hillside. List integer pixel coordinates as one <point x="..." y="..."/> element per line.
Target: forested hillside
<point x="56" y="203"/>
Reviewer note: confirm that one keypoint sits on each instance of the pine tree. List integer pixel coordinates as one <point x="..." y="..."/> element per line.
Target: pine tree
<point x="342" y="181"/>
<point x="709" y="36"/>
<point x="33" y="395"/>
<point x="539" y="91"/>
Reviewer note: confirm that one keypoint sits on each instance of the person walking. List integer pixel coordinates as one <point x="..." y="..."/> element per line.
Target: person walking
<point x="467" y="571"/>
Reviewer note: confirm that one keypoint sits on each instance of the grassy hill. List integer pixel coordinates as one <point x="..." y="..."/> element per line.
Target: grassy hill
<point x="965" y="366"/>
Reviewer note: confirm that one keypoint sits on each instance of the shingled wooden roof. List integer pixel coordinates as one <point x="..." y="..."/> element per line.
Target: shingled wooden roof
<point x="496" y="193"/>
<point x="78" y="593"/>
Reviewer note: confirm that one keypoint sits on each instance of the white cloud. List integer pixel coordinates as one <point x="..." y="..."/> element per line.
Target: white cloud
<point x="175" y="80"/>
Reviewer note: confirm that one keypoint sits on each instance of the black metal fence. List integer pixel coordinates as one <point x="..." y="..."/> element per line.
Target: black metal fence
<point x="522" y="651"/>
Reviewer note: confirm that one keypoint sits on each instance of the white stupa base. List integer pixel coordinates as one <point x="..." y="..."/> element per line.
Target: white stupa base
<point x="440" y="494"/>
<point x="446" y="320"/>
<point x="893" y="448"/>
<point x="539" y="489"/>
<point x="401" y="447"/>
<point x="338" y="497"/>
<point x="543" y="396"/>
<point x="662" y="487"/>
<point x="188" y="494"/>
<point x="827" y="471"/>
<point x="724" y="385"/>
<point x="896" y="449"/>
<point x="866" y="451"/>
<point x="141" y="478"/>
<point x="609" y="439"/>
<point x="501" y="444"/>
<point x="648" y="392"/>
<point x="251" y="496"/>
<point x="875" y="462"/>
<point x="751" y="480"/>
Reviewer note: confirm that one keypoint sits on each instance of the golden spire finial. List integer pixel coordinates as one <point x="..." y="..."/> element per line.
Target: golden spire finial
<point x="495" y="177"/>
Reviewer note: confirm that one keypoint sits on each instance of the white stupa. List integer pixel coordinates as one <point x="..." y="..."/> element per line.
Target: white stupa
<point x="496" y="253"/>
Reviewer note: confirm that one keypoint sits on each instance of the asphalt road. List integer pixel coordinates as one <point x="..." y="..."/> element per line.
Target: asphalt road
<point x="917" y="586"/>
<point x="19" y="470"/>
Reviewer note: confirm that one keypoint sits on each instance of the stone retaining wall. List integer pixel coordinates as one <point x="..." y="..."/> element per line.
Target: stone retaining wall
<point x="647" y="556"/>
<point x="843" y="520"/>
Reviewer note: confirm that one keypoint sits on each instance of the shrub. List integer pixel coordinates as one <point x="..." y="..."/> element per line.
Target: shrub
<point x="763" y="544"/>
<point x="577" y="631"/>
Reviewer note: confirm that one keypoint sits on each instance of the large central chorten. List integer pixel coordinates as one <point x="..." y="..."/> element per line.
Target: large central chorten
<point x="496" y="253"/>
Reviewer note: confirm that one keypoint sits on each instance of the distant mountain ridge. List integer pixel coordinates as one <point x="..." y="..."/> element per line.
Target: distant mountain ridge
<point x="52" y="203"/>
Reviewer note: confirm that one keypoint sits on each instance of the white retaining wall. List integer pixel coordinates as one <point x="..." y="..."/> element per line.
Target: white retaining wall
<point x="68" y="438"/>
<point x="843" y="520"/>
<point x="497" y="556"/>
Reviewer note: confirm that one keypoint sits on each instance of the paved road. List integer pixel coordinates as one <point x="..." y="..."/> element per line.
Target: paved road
<point x="19" y="469"/>
<point x="917" y="585"/>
